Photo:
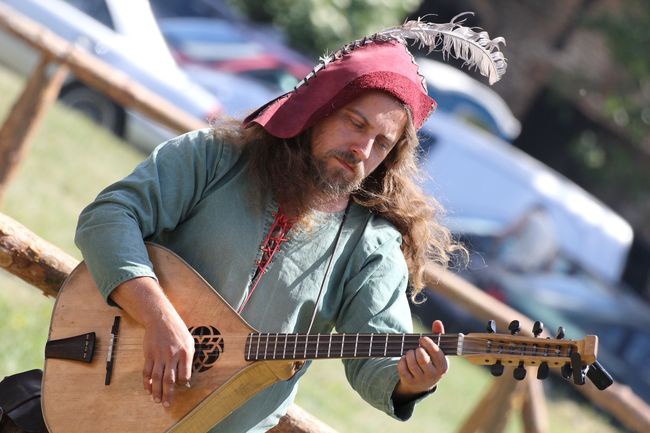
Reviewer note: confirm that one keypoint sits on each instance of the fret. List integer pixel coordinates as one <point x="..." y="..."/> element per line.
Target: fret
<point x="250" y="344"/>
<point x="295" y="346"/>
<point x="342" y="344"/>
<point x="275" y="346"/>
<point x="257" y="351"/>
<point x="317" y="342"/>
<point x="306" y="340"/>
<point x="284" y="351"/>
<point x="439" y="340"/>
<point x="386" y="345"/>
<point x="402" y="349"/>
<point x="329" y="346"/>
<point x="266" y="346"/>
<point x="370" y="348"/>
<point x="356" y="343"/>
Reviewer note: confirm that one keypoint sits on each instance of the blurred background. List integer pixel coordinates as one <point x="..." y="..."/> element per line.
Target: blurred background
<point x="544" y="175"/>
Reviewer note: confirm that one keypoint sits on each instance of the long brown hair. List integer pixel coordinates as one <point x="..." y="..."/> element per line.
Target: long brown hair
<point x="392" y="190"/>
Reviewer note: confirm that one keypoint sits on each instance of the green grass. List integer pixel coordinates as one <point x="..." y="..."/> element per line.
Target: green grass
<point x="69" y="161"/>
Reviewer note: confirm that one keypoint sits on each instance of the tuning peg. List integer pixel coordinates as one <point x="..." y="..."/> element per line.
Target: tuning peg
<point x="599" y="376"/>
<point x="491" y="327"/>
<point x="542" y="371"/>
<point x="560" y="333"/>
<point x="578" y="371"/>
<point x="519" y="373"/>
<point x="514" y="327"/>
<point x="496" y="369"/>
<point x="538" y="328"/>
<point x="567" y="371"/>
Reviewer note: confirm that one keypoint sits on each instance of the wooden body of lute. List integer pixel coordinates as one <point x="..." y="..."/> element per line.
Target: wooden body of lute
<point x="75" y="398"/>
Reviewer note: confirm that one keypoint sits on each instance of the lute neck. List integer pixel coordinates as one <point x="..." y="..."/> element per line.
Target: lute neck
<point x="279" y="346"/>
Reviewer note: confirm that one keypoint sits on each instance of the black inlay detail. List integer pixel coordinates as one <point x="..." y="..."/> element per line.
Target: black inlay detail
<point x="209" y="346"/>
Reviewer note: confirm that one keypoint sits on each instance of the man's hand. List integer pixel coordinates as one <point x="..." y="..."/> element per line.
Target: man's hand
<point x="420" y="369"/>
<point x="168" y="346"/>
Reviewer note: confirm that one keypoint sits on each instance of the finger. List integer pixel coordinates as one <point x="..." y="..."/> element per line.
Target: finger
<point x="156" y="382"/>
<point x="185" y="370"/>
<point x="438" y="327"/>
<point x="412" y="364"/>
<point x="423" y="359"/>
<point x="436" y="357"/>
<point x="169" y="380"/>
<point x="403" y="370"/>
<point x="146" y="375"/>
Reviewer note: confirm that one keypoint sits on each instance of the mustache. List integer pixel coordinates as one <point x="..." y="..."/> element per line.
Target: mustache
<point x="347" y="157"/>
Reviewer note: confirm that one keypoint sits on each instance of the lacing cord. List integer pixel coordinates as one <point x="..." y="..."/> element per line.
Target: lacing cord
<point x="271" y="245"/>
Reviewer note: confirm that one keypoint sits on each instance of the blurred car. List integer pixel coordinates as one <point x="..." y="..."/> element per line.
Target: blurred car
<point x="476" y="175"/>
<point x="238" y="95"/>
<point x="231" y="47"/>
<point x="459" y="94"/>
<point x="125" y="36"/>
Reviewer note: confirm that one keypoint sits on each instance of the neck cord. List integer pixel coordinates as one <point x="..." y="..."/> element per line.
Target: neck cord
<point x="329" y="265"/>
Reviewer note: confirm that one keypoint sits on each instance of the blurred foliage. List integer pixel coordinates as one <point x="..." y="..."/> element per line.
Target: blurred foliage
<point x="314" y="26"/>
<point x="627" y="34"/>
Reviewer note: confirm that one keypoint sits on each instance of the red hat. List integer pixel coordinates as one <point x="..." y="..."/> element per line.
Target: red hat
<point x="379" y="62"/>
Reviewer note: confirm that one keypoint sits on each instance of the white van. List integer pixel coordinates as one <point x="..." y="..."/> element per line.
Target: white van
<point x="487" y="184"/>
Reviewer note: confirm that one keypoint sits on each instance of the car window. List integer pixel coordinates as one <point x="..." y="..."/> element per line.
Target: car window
<point x="96" y="9"/>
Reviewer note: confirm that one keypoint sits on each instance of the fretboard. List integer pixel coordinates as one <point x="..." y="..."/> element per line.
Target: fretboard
<point x="269" y="346"/>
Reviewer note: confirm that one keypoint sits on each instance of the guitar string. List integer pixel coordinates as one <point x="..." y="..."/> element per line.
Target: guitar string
<point x="379" y="340"/>
<point x="377" y="337"/>
<point x="468" y="349"/>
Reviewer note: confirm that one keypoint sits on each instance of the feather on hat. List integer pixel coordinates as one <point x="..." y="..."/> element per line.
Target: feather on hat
<point x="380" y="61"/>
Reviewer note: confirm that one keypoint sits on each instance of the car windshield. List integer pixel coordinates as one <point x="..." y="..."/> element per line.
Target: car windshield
<point x="219" y="43"/>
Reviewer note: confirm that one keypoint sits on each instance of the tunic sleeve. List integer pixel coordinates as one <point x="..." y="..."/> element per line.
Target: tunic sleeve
<point x="376" y="301"/>
<point x="154" y="198"/>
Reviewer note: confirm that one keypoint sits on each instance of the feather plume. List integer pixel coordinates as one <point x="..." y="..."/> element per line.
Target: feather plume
<point x="476" y="49"/>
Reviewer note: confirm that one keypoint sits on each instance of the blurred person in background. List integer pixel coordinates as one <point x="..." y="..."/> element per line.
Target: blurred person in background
<point x="325" y="173"/>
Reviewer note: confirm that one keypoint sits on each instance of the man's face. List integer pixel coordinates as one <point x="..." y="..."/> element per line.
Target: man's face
<point x="351" y="143"/>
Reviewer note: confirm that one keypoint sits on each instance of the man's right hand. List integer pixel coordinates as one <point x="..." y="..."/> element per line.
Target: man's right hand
<point x="168" y="346"/>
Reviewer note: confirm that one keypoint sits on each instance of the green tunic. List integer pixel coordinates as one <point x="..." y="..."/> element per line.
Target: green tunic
<point x="194" y="195"/>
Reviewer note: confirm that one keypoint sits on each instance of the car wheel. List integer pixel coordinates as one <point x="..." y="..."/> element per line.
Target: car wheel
<point x="94" y="105"/>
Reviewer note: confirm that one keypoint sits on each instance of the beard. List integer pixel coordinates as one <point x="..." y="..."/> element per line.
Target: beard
<point x="336" y="182"/>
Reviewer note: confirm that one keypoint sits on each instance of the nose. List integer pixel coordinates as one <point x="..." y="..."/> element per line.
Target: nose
<point x="362" y="147"/>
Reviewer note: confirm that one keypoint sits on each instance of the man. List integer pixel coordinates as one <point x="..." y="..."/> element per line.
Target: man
<point x="323" y="174"/>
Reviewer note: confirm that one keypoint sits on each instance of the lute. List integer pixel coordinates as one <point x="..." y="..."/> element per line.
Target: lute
<point x="93" y="368"/>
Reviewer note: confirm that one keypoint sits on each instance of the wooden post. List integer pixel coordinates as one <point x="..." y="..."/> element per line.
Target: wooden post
<point x="40" y="92"/>
<point x="491" y="414"/>
<point x="534" y="412"/>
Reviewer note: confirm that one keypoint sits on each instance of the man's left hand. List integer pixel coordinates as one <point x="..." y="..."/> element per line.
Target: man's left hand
<point x="420" y="369"/>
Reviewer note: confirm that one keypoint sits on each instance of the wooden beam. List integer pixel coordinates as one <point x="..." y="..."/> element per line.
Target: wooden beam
<point x="38" y="95"/>
<point x="97" y="74"/>
<point x="476" y="301"/>
<point x="32" y="258"/>
<point x="297" y="420"/>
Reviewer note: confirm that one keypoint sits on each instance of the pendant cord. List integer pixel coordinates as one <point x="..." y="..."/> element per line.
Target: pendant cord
<point x="329" y="265"/>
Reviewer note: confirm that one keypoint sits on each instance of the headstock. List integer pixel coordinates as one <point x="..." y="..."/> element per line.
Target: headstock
<point x="575" y="358"/>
